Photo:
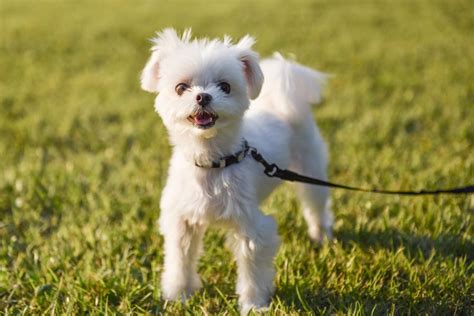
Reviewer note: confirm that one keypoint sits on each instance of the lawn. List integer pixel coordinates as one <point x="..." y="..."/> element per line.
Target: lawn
<point x="83" y="157"/>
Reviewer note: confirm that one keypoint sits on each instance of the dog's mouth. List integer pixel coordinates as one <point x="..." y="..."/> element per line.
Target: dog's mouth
<point x="203" y="118"/>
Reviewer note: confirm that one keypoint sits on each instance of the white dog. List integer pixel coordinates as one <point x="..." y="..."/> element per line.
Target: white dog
<point x="205" y="87"/>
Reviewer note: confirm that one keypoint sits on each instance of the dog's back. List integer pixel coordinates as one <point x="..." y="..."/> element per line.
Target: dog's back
<point x="289" y="89"/>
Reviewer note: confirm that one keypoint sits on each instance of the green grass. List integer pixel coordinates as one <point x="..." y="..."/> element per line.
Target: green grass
<point x="83" y="157"/>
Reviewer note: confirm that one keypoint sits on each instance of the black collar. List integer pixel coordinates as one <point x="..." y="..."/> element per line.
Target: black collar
<point x="228" y="160"/>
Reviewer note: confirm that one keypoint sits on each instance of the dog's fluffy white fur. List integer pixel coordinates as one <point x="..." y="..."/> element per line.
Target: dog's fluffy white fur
<point x="278" y="122"/>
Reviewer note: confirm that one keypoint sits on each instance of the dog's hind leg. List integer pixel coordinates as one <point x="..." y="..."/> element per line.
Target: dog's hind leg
<point x="309" y="158"/>
<point x="317" y="212"/>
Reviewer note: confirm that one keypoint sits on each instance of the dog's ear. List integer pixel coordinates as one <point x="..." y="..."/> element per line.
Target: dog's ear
<point x="150" y="74"/>
<point x="251" y="67"/>
<point x="164" y="43"/>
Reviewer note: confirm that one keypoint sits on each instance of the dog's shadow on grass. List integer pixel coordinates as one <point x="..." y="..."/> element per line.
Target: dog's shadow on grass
<point x="322" y="301"/>
<point x="413" y="246"/>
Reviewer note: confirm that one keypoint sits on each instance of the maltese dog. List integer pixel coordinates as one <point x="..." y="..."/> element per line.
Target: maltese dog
<point x="215" y="96"/>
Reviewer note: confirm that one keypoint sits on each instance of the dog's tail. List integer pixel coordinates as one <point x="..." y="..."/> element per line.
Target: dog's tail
<point x="289" y="88"/>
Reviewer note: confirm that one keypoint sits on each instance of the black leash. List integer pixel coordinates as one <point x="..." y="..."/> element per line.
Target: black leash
<point x="272" y="170"/>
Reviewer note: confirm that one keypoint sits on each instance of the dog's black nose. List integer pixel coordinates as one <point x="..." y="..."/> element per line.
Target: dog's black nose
<point x="203" y="99"/>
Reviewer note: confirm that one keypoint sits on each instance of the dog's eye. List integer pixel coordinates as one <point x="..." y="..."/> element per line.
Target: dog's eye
<point x="224" y="86"/>
<point x="181" y="87"/>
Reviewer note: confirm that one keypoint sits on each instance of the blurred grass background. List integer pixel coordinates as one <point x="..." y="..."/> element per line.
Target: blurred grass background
<point x="83" y="156"/>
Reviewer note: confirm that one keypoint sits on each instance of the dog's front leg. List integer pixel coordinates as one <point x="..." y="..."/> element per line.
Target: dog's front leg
<point x="254" y="243"/>
<point x="183" y="243"/>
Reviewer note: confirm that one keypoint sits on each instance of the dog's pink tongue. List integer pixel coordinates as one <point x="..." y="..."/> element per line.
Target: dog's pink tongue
<point x="203" y="119"/>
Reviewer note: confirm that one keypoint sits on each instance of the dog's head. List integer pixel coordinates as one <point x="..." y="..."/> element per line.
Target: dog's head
<point x="203" y="85"/>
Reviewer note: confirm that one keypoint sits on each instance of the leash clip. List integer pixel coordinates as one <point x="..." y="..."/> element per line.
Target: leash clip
<point x="271" y="170"/>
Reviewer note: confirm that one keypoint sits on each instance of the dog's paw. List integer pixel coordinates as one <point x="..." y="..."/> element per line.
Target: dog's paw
<point x="195" y="285"/>
<point x="319" y="235"/>
<point x="245" y="309"/>
<point x="174" y="291"/>
<point x="255" y="304"/>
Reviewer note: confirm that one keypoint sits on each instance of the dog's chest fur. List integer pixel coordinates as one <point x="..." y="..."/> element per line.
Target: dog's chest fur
<point x="203" y="196"/>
